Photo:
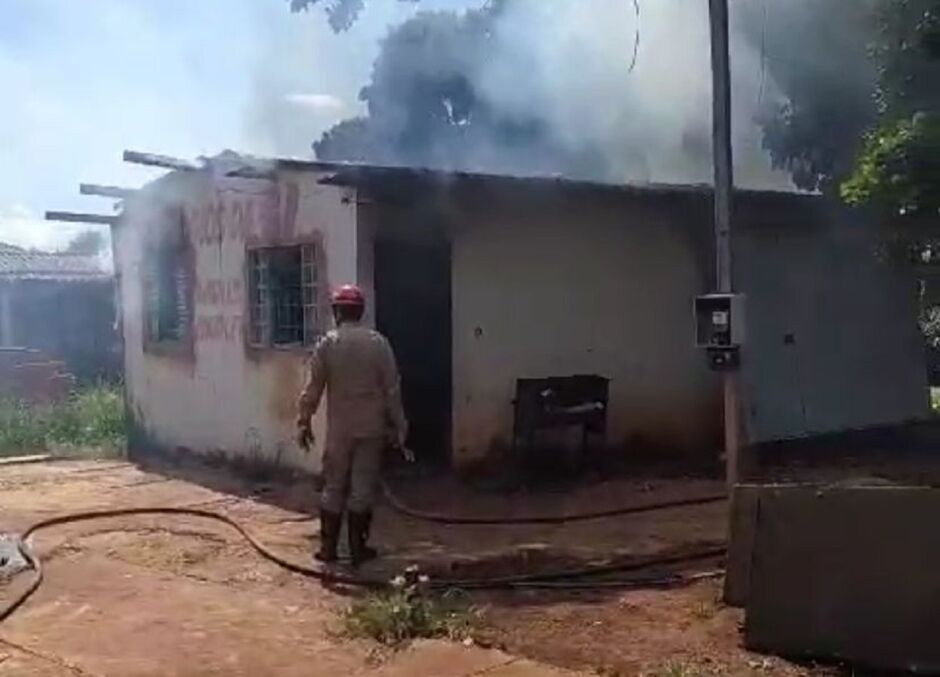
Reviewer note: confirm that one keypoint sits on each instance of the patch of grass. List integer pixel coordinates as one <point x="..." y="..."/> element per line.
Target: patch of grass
<point x="711" y="606"/>
<point x="22" y="429"/>
<point x="92" y="418"/>
<point x="935" y="399"/>
<point x="409" y="610"/>
<point x="705" y="610"/>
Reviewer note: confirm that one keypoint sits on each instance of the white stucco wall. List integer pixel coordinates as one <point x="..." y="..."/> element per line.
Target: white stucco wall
<point x="606" y="288"/>
<point x="547" y="286"/>
<point x="563" y="289"/>
<point x="226" y="397"/>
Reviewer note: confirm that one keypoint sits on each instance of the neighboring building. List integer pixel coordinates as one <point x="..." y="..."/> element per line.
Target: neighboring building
<point x="61" y="305"/>
<point x="479" y="280"/>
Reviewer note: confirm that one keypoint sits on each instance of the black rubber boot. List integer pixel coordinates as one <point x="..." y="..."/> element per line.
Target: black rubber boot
<point x="358" y="526"/>
<point x="330" y="525"/>
<point x="370" y="552"/>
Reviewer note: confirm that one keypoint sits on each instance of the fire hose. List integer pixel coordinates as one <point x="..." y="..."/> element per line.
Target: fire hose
<point x="559" y="580"/>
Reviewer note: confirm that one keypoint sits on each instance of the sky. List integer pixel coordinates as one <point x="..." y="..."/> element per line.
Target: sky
<point x="82" y="80"/>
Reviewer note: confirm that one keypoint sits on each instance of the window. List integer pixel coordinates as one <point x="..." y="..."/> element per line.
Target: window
<point x="284" y="285"/>
<point x="166" y="289"/>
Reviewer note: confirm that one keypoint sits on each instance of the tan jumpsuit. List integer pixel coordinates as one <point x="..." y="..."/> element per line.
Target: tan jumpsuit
<point x="357" y="367"/>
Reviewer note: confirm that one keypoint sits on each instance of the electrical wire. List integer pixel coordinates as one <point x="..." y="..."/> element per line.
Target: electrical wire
<point x="565" y="576"/>
<point x="647" y="582"/>
<point x="763" y="54"/>
<point x="441" y="518"/>
<point x="636" y="37"/>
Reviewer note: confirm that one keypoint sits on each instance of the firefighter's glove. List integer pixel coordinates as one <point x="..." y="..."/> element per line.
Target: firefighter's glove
<point x="396" y="440"/>
<point x="305" y="437"/>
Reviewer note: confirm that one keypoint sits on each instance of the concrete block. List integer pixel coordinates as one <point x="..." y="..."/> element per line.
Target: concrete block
<point x="847" y="573"/>
<point x="744" y="498"/>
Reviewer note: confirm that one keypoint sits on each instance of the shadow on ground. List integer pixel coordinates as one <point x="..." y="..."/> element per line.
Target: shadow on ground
<point x="475" y="551"/>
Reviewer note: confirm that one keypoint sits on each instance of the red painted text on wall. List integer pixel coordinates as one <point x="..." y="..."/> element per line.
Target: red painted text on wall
<point x="220" y="292"/>
<point x="219" y="327"/>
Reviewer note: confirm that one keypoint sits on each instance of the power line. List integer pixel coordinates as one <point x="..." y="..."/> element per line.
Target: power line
<point x="763" y="55"/>
<point x="636" y="38"/>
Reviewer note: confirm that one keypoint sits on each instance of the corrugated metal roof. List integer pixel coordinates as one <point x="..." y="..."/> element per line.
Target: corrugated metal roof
<point x="397" y="177"/>
<point x="401" y="182"/>
<point x="18" y="263"/>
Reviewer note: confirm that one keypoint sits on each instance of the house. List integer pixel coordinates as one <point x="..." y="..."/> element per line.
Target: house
<point x="59" y="307"/>
<point x="224" y="274"/>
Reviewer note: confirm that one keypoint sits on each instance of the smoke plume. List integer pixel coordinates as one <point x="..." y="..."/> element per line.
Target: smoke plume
<point x="601" y="89"/>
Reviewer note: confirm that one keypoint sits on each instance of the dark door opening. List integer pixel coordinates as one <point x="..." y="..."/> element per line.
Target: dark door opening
<point x="413" y="309"/>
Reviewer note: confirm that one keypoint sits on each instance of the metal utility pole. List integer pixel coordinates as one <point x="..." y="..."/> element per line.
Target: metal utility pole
<point x="724" y="183"/>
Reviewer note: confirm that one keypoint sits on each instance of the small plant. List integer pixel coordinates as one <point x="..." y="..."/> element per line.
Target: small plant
<point x="704" y="610"/>
<point x="90" y="418"/>
<point x="710" y="607"/>
<point x="22" y="429"/>
<point x="409" y="610"/>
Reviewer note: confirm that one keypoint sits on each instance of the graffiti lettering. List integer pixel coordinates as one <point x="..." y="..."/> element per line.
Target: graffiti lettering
<point x="227" y="328"/>
<point x="239" y="217"/>
<point x="228" y="218"/>
<point x="220" y="292"/>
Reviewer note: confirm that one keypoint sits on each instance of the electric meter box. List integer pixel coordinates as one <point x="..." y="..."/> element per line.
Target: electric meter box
<point x="719" y="321"/>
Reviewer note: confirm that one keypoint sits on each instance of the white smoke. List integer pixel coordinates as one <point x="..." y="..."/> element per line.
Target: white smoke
<point x="566" y="63"/>
<point x="571" y="63"/>
<point x="307" y="78"/>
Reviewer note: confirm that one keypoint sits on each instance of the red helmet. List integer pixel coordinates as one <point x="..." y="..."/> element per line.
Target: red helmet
<point x="348" y="295"/>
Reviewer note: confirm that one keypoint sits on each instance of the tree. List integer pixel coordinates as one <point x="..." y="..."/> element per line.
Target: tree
<point x="341" y="14"/>
<point x="898" y="169"/>
<point x="88" y="243"/>
<point x="859" y="80"/>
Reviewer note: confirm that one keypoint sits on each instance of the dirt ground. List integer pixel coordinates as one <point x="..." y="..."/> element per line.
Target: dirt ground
<point x="153" y="596"/>
<point x="668" y="633"/>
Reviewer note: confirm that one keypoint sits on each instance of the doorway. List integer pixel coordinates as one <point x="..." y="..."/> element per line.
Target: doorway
<point x="413" y="309"/>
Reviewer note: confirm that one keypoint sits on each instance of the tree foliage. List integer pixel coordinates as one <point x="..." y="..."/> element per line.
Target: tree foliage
<point x="899" y="166"/>
<point x="860" y="81"/>
<point x="341" y="14"/>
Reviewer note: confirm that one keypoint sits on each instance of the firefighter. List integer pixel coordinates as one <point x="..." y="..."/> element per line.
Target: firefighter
<point x="356" y="366"/>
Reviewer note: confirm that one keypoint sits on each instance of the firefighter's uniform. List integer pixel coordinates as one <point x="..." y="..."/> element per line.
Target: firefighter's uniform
<point x="355" y="365"/>
<point x="357" y="368"/>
